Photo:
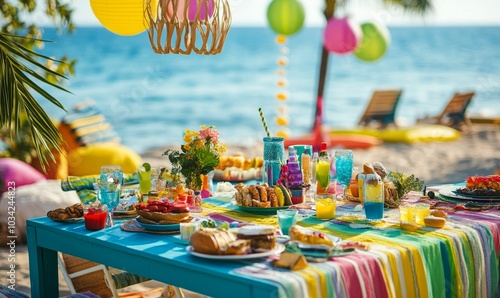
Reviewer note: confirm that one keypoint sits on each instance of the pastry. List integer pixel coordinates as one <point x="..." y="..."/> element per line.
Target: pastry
<point x="434" y="222"/>
<point x="297" y="233"/>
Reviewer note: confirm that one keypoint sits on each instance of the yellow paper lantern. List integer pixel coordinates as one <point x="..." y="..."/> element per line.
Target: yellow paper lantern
<point x="122" y="17"/>
<point x="282" y="121"/>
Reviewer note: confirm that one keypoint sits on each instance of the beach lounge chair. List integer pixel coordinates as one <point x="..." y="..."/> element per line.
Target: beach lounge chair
<point x="454" y="114"/>
<point x="85" y="276"/>
<point x="380" y="111"/>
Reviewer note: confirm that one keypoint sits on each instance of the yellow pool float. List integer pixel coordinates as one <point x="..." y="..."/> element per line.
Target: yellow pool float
<point x="414" y="134"/>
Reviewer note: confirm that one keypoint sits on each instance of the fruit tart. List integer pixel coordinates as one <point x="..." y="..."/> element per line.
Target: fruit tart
<point x="481" y="186"/>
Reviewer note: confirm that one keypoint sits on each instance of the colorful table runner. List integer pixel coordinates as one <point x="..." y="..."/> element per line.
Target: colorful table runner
<point x="460" y="260"/>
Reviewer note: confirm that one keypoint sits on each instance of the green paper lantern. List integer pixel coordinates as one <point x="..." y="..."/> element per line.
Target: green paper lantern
<point x="286" y="16"/>
<point x="374" y="43"/>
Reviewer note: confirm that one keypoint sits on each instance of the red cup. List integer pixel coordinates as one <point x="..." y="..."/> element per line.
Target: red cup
<point x="95" y="217"/>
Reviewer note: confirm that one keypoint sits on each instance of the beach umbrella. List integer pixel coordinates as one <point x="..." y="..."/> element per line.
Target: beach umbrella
<point x="286" y="16"/>
<point x="341" y="35"/>
<point x="375" y="42"/>
<point x="122" y="17"/>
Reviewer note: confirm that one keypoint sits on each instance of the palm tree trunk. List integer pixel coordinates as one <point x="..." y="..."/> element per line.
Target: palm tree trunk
<point x="318" y="115"/>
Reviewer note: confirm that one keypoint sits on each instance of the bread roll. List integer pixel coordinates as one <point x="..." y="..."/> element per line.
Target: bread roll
<point x="434" y="222"/>
<point x="438" y="213"/>
<point x="409" y="226"/>
<point x="211" y="241"/>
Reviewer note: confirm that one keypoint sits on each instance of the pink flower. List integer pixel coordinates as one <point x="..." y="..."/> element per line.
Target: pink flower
<point x="211" y="133"/>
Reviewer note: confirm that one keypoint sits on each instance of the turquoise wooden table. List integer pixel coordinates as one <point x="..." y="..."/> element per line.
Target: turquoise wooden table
<point x="159" y="257"/>
<point x="460" y="260"/>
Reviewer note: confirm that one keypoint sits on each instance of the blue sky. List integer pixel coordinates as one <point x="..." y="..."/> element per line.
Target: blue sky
<point x="253" y="13"/>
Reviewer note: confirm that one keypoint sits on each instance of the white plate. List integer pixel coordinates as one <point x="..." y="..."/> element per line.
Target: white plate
<point x="451" y="192"/>
<point x="278" y="250"/>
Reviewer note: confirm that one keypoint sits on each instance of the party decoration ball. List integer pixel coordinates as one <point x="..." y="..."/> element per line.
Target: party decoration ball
<point x="341" y="35"/>
<point x="374" y="44"/>
<point x="206" y="9"/>
<point x="122" y="17"/>
<point x="286" y="16"/>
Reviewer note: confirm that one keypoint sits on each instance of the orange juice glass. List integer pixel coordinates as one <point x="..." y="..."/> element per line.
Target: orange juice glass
<point x="325" y="206"/>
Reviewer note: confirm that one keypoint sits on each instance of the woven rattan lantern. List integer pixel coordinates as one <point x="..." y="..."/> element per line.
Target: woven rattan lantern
<point x="184" y="26"/>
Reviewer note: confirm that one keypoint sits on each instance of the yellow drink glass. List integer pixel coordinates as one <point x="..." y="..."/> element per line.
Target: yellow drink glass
<point x="322" y="176"/>
<point x="145" y="184"/>
<point x="422" y="210"/>
<point x="407" y="213"/>
<point x="325" y="206"/>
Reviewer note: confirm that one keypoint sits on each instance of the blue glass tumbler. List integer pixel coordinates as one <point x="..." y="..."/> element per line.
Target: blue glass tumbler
<point x="274" y="157"/>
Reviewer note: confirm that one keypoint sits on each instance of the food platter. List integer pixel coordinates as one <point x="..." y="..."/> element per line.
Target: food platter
<point x="159" y="227"/>
<point x="258" y="210"/>
<point x="451" y="192"/>
<point x="265" y="254"/>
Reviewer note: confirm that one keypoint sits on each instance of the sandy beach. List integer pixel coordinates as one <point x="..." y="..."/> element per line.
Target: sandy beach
<point x="475" y="153"/>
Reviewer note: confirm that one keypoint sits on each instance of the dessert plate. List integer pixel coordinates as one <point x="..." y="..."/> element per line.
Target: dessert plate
<point x="159" y="227"/>
<point x="451" y="192"/>
<point x="265" y="254"/>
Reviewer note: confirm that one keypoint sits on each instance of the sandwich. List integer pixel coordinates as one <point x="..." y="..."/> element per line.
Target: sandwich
<point x="262" y="237"/>
<point x="214" y="241"/>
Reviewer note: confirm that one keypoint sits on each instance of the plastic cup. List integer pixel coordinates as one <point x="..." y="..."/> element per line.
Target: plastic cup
<point x="325" y="206"/>
<point x="187" y="229"/>
<point x="422" y="210"/>
<point x="286" y="219"/>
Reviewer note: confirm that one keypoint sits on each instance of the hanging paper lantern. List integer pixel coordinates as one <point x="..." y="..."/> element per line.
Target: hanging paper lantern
<point x="341" y="35"/>
<point x="374" y="43"/>
<point x="122" y="17"/>
<point x="286" y="16"/>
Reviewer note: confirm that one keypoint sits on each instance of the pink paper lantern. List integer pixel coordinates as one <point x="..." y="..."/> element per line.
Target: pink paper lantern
<point x="192" y="9"/>
<point x="341" y="35"/>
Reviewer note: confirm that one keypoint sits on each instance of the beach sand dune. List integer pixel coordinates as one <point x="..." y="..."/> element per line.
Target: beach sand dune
<point x="475" y="153"/>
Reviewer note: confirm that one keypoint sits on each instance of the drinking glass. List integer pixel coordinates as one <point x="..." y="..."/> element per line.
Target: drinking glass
<point x="326" y="205"/>
<point x="373" y="197"/>
<point x="286" y="219"/>
<point x="274" y="157"/>
<point x="145" y="184"/>
<point x="343" y="166"/>
<point x="110" y="183"/>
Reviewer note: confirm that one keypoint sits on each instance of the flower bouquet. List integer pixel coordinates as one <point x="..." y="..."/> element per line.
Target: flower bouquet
<point x="199" y="155"/>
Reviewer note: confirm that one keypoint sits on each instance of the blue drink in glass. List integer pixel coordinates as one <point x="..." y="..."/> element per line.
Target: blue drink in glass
<point x="286" y="219"/>
<point x="274" y="157"/>
<point x="110" y="182"/>
<point x="374" y="210"/>
<point x="343" y="167"/>
<point x="373" y="196"/>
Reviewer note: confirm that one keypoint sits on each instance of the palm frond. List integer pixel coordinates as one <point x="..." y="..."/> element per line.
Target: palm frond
<point x="16" y="98"/>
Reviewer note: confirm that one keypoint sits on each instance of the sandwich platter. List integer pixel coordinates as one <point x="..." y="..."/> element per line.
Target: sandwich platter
<point x="280" y="248"/>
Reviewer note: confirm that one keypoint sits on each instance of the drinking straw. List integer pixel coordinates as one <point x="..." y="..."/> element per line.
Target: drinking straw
<point x="264" y="122"/>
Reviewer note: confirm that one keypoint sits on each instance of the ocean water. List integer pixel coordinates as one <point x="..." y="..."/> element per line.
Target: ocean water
<point x="151" y="99"/>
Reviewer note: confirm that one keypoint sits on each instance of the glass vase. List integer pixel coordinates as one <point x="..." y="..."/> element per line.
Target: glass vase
<point x="195" y="205"/>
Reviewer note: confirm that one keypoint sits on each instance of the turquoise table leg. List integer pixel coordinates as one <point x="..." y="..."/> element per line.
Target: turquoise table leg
<point x="43" y="268"/>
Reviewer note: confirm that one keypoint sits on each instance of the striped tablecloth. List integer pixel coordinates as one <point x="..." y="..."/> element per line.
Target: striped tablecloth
<point x="460" y="260"/>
